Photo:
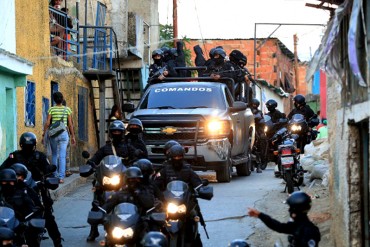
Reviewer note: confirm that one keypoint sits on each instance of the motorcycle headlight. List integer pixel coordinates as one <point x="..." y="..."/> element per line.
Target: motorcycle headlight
<point x="115" y="180"/>
<point x="218" y="128"/>
<point x="118" y="232"/>
<point x="295" y="128"/>
<point x="265" y="129"/>
<point x="173" y="208"/>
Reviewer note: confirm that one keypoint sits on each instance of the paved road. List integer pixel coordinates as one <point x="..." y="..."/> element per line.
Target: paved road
<point x="224" y="214"/>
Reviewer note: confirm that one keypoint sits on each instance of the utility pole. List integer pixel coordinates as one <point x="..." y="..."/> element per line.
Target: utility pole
<point x="175" y="30"/>
<point x="296" y="67"/>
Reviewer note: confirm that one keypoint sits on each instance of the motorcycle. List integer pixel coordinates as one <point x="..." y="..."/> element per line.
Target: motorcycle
<point x="108" y="176"/>
<point x="298" y="125"/>
<point x="288" y="159"/>
<point x="261" y="146"/>
<point x="183" y="212"/>
<point x="125" y="225"/>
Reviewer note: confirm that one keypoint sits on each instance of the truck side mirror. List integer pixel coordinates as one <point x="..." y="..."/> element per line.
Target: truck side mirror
<point x="128" y="107"/>
<point x="238" y="106"/>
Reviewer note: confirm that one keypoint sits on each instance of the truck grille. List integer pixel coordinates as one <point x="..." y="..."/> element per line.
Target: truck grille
<point x="182" y="133"/>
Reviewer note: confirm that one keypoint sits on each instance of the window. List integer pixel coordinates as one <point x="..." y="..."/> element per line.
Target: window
<point x="275" y="68"/>
<point x="54" y="88"/>
<point x="82" y="113"/>
<point x="30" y="107"/>
<point x="45" y="109"/>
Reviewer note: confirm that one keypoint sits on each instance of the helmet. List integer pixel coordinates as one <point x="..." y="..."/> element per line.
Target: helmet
<point x="28" y="141"/>
<point x="239" y="243"/>
<point x="168" y="145"/>
<point x="299" y="202"/>
<point x="135" y="125"/>
<point x="154" y="239"/>
<point x="145" y="166"/>
<point x="133" y="172"/>
<point x="174" y="52"/>
<point x="157" y="52"/>
<point x="117" y="125"/>
<point x="219" y="51"/>
<point x="8" y="175"/>
<point x="255" y="103"/>
<point x="6" y="234"/>
<point x="238" y="57"/>
<point x="212" y="53"/>
<point x="176" y="155"/>
<point x="299" y="100"/>
<point x="271" y="104"/>
<point x="20" y="169"/>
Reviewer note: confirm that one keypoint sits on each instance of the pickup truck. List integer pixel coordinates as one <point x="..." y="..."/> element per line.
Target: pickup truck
<point x="216" y="131"/>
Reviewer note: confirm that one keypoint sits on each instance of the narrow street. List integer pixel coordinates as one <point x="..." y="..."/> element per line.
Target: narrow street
<point x="224" y="214"/>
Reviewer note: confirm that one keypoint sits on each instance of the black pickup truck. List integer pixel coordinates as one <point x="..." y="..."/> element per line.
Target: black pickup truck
<point x="216" y="131"/>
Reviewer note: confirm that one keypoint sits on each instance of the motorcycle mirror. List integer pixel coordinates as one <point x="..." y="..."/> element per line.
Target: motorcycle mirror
<point x="85" y="171"/>
<point x="205" y="182"/>
<point x="85" y="154"/>
<point x="95" y="217"/>
<point x="52" y="183"/>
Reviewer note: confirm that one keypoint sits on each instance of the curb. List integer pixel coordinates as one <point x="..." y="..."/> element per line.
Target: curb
<point x="70" y="184"/>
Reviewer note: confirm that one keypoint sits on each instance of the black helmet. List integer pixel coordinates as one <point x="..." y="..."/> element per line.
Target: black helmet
<point x="212" y="53"/>
<point x="135" y="125"/>
<point x="271" y="104"/>
<point x="219" y="51"/>
<point x="133" y="172"/>
<point x="117" y="125"/>
<point x="238" y="58"/>
<point x="154" y="239"/>
<point x="168" y="145"/>
<point x="145" y="166"/>
<point x="28" y="139"/>
<point x="177" y="151"/>
<point x="157" y="52"/>
<point x="6" y="234"/>
<point x="299" y="100"/>
<point x="20" y="169"/>
<point x="299" y="202"/>
<point x="239" y="243"/>
<point x="8" y="175"/>
<point x="255" y="103"/>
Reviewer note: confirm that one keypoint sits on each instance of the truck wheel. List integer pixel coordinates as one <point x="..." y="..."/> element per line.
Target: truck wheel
<point x="244" y="169"/>
<point x="224" y="175"/>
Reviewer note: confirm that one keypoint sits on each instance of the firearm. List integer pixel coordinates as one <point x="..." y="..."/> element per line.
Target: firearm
<point x="201" y="220"/>
<point x="159" y="72"/>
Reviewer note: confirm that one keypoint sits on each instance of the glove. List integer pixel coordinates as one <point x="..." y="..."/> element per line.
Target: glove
<point x="95" y="204"/>
<point x="92" y="164"/>
<point x="138" y="152"/>
<point x="198" y="50"/>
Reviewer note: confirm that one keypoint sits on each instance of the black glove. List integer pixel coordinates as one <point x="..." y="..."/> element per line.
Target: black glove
<point x="92" y="164"/>
<point x="198" y="50"/>
<point x="138" y="152"/>
<point x="95" y="204"/>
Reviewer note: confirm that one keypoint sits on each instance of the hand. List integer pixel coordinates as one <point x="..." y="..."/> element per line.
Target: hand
<point x="161" y="77"/>
<point x="253" y="212"/>
<point x="73" y="140"/>
<point x="165" y="73"/>
<point x="215" y="76"/>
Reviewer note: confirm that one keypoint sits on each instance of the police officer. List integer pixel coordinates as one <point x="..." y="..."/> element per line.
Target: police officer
<point x="303" y="233"/>
<point x="166" y="150"/>
<point x="221" y="68"/>
<point x="135" y="192"/>
<point x="38" y="164"/>
<point x="254" y="104"/>
<point x="134" y="137"/>
<point x="159" y="70"/>
<point x="147" y="170"/>
<point x="18" y="199"/>
<point x="154" y="239"/>
<point x="301" y="108"/>
<point x="117" y="146"/>
<point x="274" y="113"/>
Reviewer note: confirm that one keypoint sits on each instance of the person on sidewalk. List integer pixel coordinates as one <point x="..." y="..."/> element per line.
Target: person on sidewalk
<point x="302" y="232"/>
<point x="38" y="164"/>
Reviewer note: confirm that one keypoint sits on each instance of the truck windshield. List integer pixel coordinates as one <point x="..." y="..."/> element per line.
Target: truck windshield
<point x="184" y="97"/>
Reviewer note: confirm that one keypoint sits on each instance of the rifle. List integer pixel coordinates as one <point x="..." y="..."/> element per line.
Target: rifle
<point x="159" y="72"/>
<point x="201" y="220"/>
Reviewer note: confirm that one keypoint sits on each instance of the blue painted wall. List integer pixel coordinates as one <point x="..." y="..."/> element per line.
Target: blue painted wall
<point x="316" y="83"/>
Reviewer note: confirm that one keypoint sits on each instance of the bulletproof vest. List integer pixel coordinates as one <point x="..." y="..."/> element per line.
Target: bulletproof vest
<point x="275" y="116"/>
<point x="32" y="163"/>
<point x="184" y="174"/>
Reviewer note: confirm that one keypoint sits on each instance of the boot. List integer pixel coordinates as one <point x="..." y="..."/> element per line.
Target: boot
<point x="94" y="233"/>
<point x="259" y="170"/>
<point x="58" y="242"/>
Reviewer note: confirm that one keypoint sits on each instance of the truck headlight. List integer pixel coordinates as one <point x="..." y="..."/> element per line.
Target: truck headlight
<point x="118" y="233"/>
<point x="217" y="127"/>
<point x="173" y="208"/>
<point x="115" y="180"/>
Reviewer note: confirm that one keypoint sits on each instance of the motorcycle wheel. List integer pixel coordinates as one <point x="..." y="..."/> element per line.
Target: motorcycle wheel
<point x="289" y="182"/>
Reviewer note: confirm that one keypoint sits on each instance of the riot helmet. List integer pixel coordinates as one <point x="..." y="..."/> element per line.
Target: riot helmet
<point x="146" y="168"/>
<point x="167" y="147"/>
<point x="299" y="203"/>
<point x="271" y="105"/>
<point x="117" y="131"/>
<point x="8" y="178"/>
<point x="176" y="154"/>
<point x="155" y="54"/>
<point x="20" y="170"/>
<point x="134" y="177"/>
<point x="154" y="239"/>
<point x="27" y="142"/>
<point x="174" y="53"/>
<point x="237" y="57"/>
<point x="255" y="103"/>
<point x="212" y="53"/>
<point x="219" y="56"/>
<point x="135" y="126"/>
<point x="299" y="101"/>
<point x="6" y="237"/>
<point x="166" y="53"/>
<point x="239" y="243"/>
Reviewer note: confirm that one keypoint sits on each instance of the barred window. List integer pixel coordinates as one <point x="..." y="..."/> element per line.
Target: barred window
<point x="30" y="102"/>
<point x="45" y="109"/>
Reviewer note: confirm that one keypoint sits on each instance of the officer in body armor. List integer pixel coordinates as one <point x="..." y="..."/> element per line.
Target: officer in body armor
<point x="274" y="113"/>
<point x="135" y="137"/>
<point x="159" y="70"/>
<point x="37" y="163"/>
<point x="301" y="108"/>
